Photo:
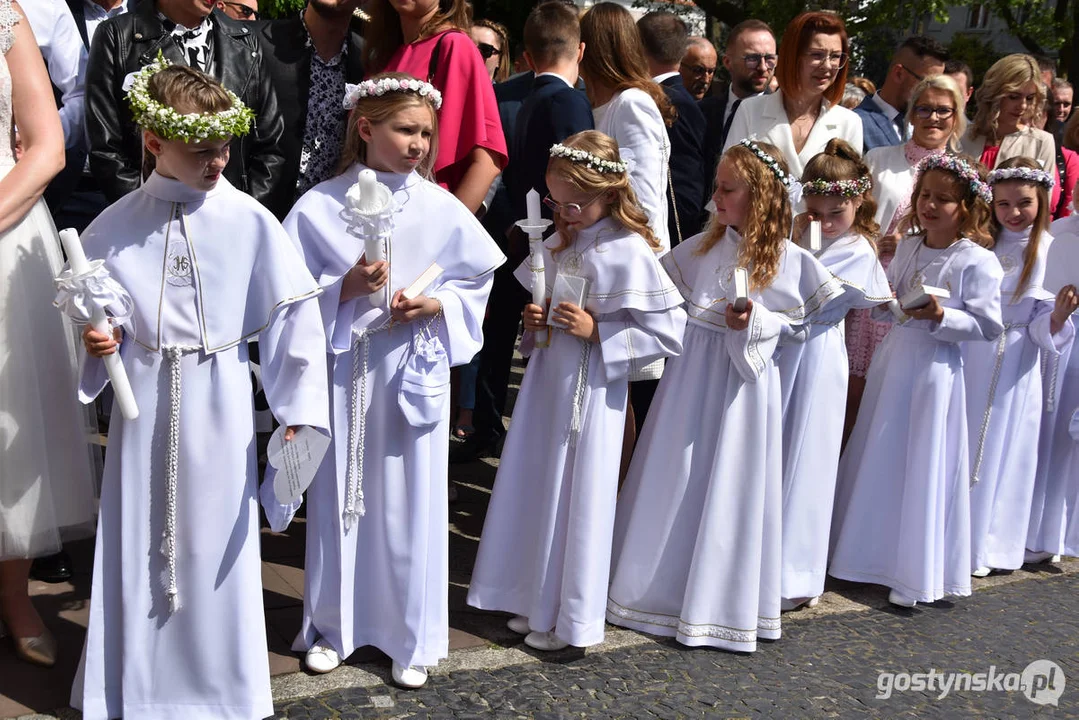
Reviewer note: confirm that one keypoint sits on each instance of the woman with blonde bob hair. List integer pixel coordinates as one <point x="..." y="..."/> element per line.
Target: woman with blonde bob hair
<point x="935" y="112"/>
<point x="1010" y="95"/>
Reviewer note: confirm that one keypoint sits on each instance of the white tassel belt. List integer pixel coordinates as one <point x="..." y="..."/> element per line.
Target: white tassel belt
<point x="357" y="427"/>
<point x="1002" y="344"/>
<point x="173" y="354"/>
<point x="578" y="392"/>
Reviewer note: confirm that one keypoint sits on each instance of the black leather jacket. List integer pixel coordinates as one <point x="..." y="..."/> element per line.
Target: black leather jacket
<point x="128" y="42"/>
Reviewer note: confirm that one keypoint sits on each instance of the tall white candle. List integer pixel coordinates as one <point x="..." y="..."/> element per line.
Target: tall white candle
<point x="532" y="203"/>
<point x="121" y="386"/>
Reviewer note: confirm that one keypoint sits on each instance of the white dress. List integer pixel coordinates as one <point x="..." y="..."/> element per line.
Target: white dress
<point x="1004" y="409"/>
<point x="382" y="578"/>
<point x="46" y="474"/>
<point x="545" y="552"/>
<point x="1054" y="512"/>
<point x="177" y="630"/>
<point x="902" y="505"/>
<point x="698" y="532"/>
<point x="813" y="376"/>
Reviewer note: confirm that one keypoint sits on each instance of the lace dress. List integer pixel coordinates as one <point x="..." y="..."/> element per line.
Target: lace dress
<point x="46" y="474"/>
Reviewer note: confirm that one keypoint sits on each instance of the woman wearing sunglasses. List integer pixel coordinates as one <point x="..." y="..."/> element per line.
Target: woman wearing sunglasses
<point x="804" y="114"/>
<point x="935" y="113"/>
<point x="493" y="41"/>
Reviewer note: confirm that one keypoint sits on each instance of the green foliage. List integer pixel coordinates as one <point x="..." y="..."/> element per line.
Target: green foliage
<point x="273" y="9"/>
<point x="974" y="51"/>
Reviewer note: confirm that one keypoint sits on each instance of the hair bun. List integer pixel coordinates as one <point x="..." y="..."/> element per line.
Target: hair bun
<point x="838" y="147"/>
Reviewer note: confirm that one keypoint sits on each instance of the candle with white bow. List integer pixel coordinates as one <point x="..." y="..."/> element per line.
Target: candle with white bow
<point x="85" y="289"/>
<point x="534" y="226"/>
<point x="370" y="208"/>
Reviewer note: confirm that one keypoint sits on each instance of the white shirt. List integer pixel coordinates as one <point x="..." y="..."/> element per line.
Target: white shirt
<point x="95" y="15"/>
<point x="65" y="55"/>
<point x="552" y="74"/>
<point x="660" y="78"/>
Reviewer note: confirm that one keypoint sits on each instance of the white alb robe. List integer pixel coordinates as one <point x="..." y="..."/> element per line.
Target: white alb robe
<point x="545" y="552"/>
<point x="1054" y="512"/>
<point x="698" y="530"/>
<point x="902" y="504"/>
<point x="208" y="272"/>
<point x="382" y="578"/>
<point x="813" y="376"/>
<point x="1004" y="408"/>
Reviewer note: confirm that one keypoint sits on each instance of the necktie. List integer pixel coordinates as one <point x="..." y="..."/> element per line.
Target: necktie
<point x="730" y="120"/>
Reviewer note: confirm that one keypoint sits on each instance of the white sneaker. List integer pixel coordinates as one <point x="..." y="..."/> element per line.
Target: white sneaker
<point x="547" y="641"/>
<point x="983" y="571"/>
<point x="322" y="658"/>
<point x="519" y="625"/>
<point x="413" y="676"/>
<point x="897" y="598"/>
<point x="1039" y="557"/>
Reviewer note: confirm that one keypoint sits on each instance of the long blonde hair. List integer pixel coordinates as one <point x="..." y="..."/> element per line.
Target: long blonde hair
<point x="379" y="109"/>
<point x="768" y="219"/>
<point x="1006" y="75"/>
<point x="1040" y="226"/>
<point x="382" y="34"/>
<point x="614" y="55"/>
<point x="624" y="207"/>
<point x="974" y="212"/>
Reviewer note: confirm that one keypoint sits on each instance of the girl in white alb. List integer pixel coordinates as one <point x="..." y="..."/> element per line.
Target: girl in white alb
<point x="1004" y="387"/>
<point x="698" y="532"/>
<point x="545" y="552"/>
<point x="902" y="506"/>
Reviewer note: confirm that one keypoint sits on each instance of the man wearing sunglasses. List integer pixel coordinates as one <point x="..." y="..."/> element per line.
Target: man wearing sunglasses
<point x="240" y="9"/>
<point x="884" y="114"/>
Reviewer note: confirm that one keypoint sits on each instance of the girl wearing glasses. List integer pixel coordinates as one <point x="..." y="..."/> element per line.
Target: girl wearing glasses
<point x="1004" y="388"/>
<point x="545" y="552"/>
<point x="935" y="113"/>
<point x="428" y="39"/>
<point x="698" y="537"/>
<point x="1007" y="100"/>
<point x="804" y="114"/>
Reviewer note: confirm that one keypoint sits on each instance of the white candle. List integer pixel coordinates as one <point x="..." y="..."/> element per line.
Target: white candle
<point x="814" y="236"/>
<point x="121" y="386"/>
<point x="532" y="202"/>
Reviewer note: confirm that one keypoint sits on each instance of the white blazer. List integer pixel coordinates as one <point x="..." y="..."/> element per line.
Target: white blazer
<point x="632" y="118"/>
<point x="893" y="180"/>
<point x="763" y="118"/>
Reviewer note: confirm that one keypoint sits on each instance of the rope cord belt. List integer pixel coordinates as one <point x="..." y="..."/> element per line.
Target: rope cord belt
<point x="1002" y="343"/>
<point x="173" y="354"/>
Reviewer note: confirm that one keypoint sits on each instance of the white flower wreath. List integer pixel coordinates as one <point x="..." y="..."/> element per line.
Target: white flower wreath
<point x="168" y="124"/>
<point x="1030" y="175"/>
<point x="381" y="86"/>
<point x="582" y="157"/>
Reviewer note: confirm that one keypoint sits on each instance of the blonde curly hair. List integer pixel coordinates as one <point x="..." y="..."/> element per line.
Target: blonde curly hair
<point x="1006" y="75"/>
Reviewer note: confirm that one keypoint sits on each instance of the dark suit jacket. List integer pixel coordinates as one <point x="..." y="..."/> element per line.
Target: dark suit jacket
<point x="509" y="94"/>
<point x="284" y="45"/>
<point x="714" y="107"/>
<point x="688" y="175"/>
<point x="129" y="42"/>
<point x="551" y="113"/>
<point x="877" y="129"/>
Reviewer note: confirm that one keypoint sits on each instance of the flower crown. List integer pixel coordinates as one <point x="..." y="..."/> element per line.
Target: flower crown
<point x="768" y="160"/>
<point x="961" y="168"/>
<point x="582" y="157"/>
<point x="1030" y="175"/>
<point x="842" y="188"/>
<point x="381" y="86"/>
<point x="166" y="123"/>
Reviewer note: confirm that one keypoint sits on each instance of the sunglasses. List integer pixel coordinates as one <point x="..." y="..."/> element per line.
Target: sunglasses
<point x="569" y="209"/>
<point x="487" y="51"/>
<point x="246" y="12"/>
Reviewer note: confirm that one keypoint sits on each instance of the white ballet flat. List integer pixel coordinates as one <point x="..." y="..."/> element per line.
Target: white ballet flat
<point x="983" y="571"/>
<point x="322" y="658"/>
<point x="897" y="598"/>
<point x="1039" y="557"/>
<point x="813" y="601"/>
<point x="789" y="604"/>
<point x="413" y="676"/>
<point x="519" y="625"/>
<point x="546" y="641"/>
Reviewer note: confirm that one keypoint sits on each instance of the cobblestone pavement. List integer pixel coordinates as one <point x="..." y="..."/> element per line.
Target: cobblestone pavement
<point x="822" y="667"/>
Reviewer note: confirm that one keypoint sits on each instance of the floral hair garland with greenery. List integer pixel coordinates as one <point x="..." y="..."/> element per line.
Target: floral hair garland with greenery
<point x="962" y="169"/>
<point x="1022" y="174"/>
<point x="166" y="123"/>
<point x="582" y="157"/>
<point x="840" y="188"/>
<point x="377" y="87"/>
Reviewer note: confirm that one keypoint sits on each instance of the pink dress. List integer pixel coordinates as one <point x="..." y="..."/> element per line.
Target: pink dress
<point x="863" y="333"/>
<point x="469" y="115"/>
